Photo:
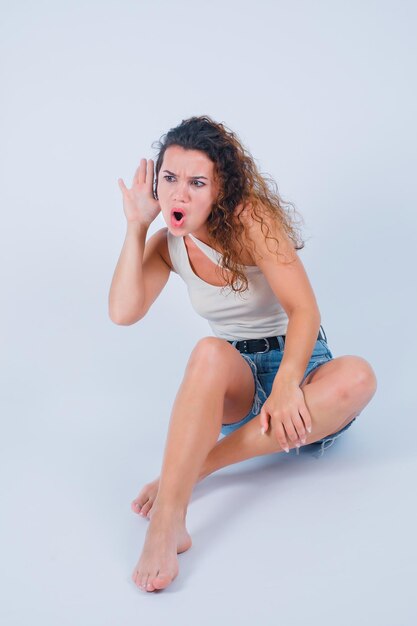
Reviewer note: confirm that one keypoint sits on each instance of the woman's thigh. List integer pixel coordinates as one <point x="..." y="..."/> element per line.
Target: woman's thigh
<point x="264" y="368"/>
<point x="232" y="370"/>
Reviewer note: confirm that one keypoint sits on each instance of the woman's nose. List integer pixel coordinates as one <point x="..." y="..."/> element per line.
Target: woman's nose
<point x="181" y="192"/>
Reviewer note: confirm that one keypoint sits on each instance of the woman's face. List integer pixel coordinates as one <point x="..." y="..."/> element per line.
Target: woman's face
<point x="186" y="190"/>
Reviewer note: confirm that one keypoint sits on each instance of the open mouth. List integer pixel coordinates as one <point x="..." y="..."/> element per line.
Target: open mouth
<point x="177" y="217"/>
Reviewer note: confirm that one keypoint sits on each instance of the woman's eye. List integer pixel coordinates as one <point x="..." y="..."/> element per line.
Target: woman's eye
<point x="200" y="184"/>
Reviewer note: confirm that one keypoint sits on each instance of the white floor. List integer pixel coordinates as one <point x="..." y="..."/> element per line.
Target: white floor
<point x="281" y="539"/>
<point x="321" y="94"/>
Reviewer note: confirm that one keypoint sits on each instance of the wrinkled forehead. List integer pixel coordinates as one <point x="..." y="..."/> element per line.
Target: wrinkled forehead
<point x="183" y="162"/>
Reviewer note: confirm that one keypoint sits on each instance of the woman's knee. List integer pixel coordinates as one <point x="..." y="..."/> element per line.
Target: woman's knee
<point x="211" y="353"/>
<point x="358" y="379"/>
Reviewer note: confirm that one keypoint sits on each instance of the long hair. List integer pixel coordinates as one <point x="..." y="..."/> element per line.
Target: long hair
<point x="240" y="184"/>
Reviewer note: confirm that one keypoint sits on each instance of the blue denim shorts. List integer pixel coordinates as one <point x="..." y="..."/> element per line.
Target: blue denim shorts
<point x="264" y="366"/>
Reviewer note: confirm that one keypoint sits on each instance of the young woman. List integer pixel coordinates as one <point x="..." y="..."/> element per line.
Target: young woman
<point x="267" y="379"/>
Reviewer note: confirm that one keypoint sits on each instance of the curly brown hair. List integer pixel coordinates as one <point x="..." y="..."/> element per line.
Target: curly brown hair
<point x="241" y="186"/>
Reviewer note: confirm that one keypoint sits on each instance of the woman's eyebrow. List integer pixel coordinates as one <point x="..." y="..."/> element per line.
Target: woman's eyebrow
<point x="172" y="174"/>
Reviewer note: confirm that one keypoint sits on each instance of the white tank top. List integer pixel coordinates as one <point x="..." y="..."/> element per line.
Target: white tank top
<point x="252" y="314"/>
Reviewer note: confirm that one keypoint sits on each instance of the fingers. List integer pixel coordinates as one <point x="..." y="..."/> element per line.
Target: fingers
<point x="264" y="421"/>
<point x="122" y="185"/>
<point x="290" y="419"/>
<point x="292" y="430"/>
<point x="144" y="173"/>
<point x="305" y="414"/>
<point x="149" y="176"/>
<point x="140" y="174"/>
<point x="298" y="427"/>
<point x="281" y="437"/>
<point x="292" y="434"/>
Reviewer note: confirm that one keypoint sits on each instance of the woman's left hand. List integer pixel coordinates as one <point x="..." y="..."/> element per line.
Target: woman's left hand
<point x="289" y="416"/>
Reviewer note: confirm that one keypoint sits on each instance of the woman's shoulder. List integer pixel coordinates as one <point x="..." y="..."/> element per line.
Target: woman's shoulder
<point x="260" y="226"/>
<point x="251" y="213"/>
<point x="244" y="216"/>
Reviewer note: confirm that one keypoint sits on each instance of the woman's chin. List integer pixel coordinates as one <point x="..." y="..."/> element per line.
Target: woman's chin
<point x="177" y="231"/>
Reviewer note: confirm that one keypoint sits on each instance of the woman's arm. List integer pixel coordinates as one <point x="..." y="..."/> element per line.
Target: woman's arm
<point x="288" y="279"/>
<point x="140" y="275"/>
<point x="127" y="292"/>
<point x="301" y="336"/>
<point x="141" y="272"/>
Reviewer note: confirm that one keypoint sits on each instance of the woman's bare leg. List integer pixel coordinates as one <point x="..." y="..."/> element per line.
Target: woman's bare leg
<point x="334" y="393"/>
<point x="339" y="391"/>
<point x="215" y="377"/>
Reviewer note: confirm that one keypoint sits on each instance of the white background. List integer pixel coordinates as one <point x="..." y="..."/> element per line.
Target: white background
<point x="323" y="94"/>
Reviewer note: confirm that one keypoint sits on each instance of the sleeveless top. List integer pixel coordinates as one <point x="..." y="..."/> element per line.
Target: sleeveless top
<point x="253" y="314"/>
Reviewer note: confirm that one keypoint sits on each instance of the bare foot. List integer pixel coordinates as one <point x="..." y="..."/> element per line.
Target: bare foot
<point x="144" y="502"/>
<point x="166" y="537"/>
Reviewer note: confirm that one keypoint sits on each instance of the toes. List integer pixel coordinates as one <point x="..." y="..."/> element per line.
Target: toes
<point x="143" y="581"/>
<point x="140" y="579"/>
<point x="146" y="508"/>
<point x="161" y="581"/>
<point x="138" y="504"/>
<point x="135" y="507"/>
<point x="146" y="582"/>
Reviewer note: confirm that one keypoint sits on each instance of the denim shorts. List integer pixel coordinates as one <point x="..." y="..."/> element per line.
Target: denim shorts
<point x="264" y="366"/>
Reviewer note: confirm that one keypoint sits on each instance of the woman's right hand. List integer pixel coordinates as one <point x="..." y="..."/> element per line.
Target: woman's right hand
<point x="139" y="205"/>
